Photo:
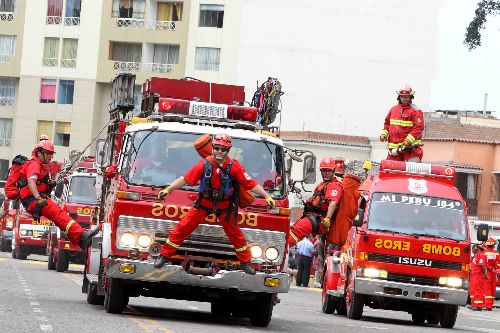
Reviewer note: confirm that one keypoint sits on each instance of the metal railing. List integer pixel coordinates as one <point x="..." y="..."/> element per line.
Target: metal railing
<point x="157" y="67"/>
<point x="71" y="21"/>
<point x="489" y="214"/>
<point x="53" y="20"/>
<point x="6" y="101"/>
<point x="129" y="23"/>
<point x="160" y="25"/>
<point x="50" y="62"/>
<point x="4" y="58"/>
<point x="4" y="142"/>
<point x="6" y="16"/>
<point x="126" y="66"/>
<point x="68" y="63"/>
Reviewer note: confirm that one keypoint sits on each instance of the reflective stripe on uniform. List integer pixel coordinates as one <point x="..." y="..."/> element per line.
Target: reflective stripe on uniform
<point x="489" y="296"/>
<point x="478" y="302"/>
<point x="243" y="248"/>
<point x="391" y="145"/>
<point x="385" y="132"/>
<point x="402" y="123"/>
<point x="294" y="237"/>
<point x="172" y="244"/>
<point x="410" y="138"/>
<point x="69" y="225"/>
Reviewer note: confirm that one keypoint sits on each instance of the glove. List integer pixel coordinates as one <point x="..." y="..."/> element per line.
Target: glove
<point x="163" y="193"/>
<point x="42" y="202"/>
<point x="326" y="222"/>
<point x="382" y="138"/>
<point x="405" y="143"/>
<point x="270" y="201"/>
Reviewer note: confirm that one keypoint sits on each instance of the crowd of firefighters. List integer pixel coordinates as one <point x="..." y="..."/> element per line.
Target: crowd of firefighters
<point x="484" y="265"/>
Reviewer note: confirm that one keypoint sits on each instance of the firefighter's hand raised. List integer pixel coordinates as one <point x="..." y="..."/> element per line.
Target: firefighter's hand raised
<point x="163" y="193"/>
<point x="326" y="222"/>
<point x="405" y="144"/>
<point x="382" y="137"/>
<point x="270" y="201"/>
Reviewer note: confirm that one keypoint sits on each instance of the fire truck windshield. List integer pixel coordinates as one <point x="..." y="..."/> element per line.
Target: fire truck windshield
<point x="417" y="215"/>
<point x="157" y="158"/>
<point x="82" y="190"/>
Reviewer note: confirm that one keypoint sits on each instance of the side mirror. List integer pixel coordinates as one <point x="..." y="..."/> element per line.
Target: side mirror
<point x="101" y="153"/>
<point x="309" y="170"/>
<point x="482" y="232"/>
<point x="358" y="220"/>
<point x="59" y="190"/>
<point x="288" y="165"/>
<point x="111" y="171"/>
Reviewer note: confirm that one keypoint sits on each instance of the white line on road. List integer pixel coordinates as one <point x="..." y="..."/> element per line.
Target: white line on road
<point x="190" y="307"/>
<point x="477" y="329"/>
<point x="369" y="327"/>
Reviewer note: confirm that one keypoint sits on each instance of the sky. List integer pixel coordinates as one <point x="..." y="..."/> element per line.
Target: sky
<point x="463" y="76"/>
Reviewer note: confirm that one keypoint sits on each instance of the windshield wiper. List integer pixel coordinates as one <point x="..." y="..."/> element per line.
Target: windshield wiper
<point x="387" y="230"/>
<point x="435" y="236"/>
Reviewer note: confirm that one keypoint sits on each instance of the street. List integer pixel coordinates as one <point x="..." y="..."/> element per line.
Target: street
<point x="34" y="299"/>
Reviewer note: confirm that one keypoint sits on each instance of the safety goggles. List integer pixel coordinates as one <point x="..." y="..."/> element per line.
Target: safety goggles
<point x="223" y="149"/>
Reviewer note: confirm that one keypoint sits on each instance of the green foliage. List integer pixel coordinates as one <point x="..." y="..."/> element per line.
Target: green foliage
<point x="473" y="32"/>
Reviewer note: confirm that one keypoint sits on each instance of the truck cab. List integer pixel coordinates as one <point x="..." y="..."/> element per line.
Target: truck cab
<point x="7" y="217"/>
<point x="409" y="248"/>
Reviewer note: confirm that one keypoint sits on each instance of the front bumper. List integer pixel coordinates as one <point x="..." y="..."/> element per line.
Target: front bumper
<point x="174" y="274"/>
<point x="412" y="292"/>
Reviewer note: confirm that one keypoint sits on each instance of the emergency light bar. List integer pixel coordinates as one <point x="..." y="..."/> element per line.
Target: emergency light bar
<point x="210" y="110"/>
<point x="417" y="168"/>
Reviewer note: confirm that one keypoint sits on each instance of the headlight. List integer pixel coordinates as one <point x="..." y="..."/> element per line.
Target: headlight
<point x="9" y="224"/>
<point x="256" y="251"/>
<point x="127" y="239"/>
<point x="374" y="273"/>
<point x="23" y="232"/>
<point x="451" y="281"/>
<point x="271" y="253"/>
<point x="144" y="240"/>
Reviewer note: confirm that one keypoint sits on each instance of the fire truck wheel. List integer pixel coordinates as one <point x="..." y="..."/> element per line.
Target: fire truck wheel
<point x="220" y="308"/>
<point x="433" y="316"/>
<point x="92" y="296"/>
<point x="3" y="244"/>
<point x="263" y="310"/>
<point x="14" y="256"/>
<point x="448" y="315"/>
<point x="327" y="304"/>
<point x="62" y="262"/>
<point x="354" y="301"/>
<point x="341" y="307"/>
<point x="116" y="298"/>
<point x="51" y="265"/>
<point x="418" y="317"/>
<point x="20" y="253"/>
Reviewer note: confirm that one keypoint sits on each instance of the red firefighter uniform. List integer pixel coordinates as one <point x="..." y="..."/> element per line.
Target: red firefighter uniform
<point x="492" y="260"/>
<point x="315" y="209"/>
<point x="404" y="123"/>
<point x="224" y="212"/>
<point x="34" y="168"/>
<point x="477" y="280"/>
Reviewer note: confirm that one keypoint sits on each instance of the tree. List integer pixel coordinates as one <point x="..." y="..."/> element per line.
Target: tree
<point x="473" y="32"/>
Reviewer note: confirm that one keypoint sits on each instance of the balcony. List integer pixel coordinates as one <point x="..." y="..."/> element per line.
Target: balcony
<point x="129" y="23"/>
<point x="50" y="62"/>
<point x="6" y="16"/>
<point x="158" y="68"/>
<point x="126" y="66"/>
<point x="71" y="21"/>
<point x="160" y="25"/>
<point x="68" y="63"/>
<point x="4" y="58"/>
<point x="6" y="101"/>
<point x="145" y="24"/>
<point x="53" y="20"/>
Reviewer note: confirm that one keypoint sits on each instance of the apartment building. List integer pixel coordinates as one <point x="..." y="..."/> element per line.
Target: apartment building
<point x="58" y="57"/>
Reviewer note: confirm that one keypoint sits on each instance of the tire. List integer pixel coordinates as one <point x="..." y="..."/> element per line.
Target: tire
<point x="327" y="304"/>
<point x="263" y="310"/>
<point x="448" y="315"/>
<point x="341" y="307"/>
<point x="14" y="253"/>
<point x="92" y="296"/>
<point x="116" y="298"/>
<point x="354" y="302"/>
<point x="51" y="265"/>
<point x="62" y="262"/>
<point x="418" y="317"/>
<point x="21" y="254"/>
<point x="433" y="316"/>
<point x="219" y="308"/>
<point x="3" y="244"/>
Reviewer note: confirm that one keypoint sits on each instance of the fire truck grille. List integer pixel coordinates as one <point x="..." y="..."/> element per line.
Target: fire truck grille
<point x="207" y="239"/>
<point x="428" y="281"/>
<point x="448" y="265"/>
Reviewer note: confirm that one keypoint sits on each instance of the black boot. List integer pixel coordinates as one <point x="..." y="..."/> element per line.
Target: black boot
<point x="247" y="268"/>
<point x="160" y="261"/>
<point x="86" y="238"/>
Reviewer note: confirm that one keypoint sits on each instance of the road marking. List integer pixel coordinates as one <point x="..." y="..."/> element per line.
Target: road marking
<point x="190" y="307"/>
<point x="140" y="324"/>
<point x="4" y="259"/>
<point x="477" y="329"/>
<point x="150" y="320"/>
<point x="369" y="327"/>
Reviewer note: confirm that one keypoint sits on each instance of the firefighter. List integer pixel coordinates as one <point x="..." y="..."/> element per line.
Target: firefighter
<point x="403" y="128"/>
<point x="492" y="260"/>
<point x="35" y="186"/>
<point x="217" y="195"/>
<point x="478" y="278"/>
<point x="320" y="208"/>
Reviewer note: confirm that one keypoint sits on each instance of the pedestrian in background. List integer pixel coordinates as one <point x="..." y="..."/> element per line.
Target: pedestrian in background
<point x="305" y="249"/>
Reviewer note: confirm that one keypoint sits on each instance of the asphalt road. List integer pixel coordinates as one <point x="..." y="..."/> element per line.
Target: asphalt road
<point x="34" y="299"/>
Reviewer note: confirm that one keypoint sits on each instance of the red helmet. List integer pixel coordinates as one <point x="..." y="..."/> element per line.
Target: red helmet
<point x="490" y="242"/>
<point x="339" y="165"/>
<point x="46" y="145"/>
<point x="327" y="163"/>
<point x="222" y="139"/>
<point x="406" y="90"/>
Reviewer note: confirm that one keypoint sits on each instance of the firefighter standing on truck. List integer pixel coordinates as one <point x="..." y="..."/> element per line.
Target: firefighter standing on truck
<point x="319" y="210"/>
<point x="217" y="195"/>
<point x="492" y="262"/>
<point x="478" y="278"/>
<point x="403" y="129"/>
<point x="35" y="186"/>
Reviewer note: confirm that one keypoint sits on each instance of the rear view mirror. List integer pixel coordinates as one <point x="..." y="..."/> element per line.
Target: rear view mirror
<point x="59" y="190"/>
<point x="358" y="220"/>
<point x="288" y="165"/>
<point x="101" y="152"/>
<point x="309" y="170"/>
<point x="482" y="232"/>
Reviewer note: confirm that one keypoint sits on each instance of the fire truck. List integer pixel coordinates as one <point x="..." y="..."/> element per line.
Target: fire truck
<point x="76" y="194"/>
<point x="408" y="249"/>
<point x="29" y="235"/>
<point x="142" y="156"/>
<point x="7" y="217"/>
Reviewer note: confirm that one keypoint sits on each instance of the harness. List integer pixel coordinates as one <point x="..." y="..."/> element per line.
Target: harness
<point x="314" y="206"/>
<point x="207" y="191"/>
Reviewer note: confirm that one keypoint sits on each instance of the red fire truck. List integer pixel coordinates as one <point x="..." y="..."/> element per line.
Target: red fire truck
<point x="7" y="217"/>
<point x="77" y="196"/>
<point x="153" y="152"/>
<point x="409" y="248"/>
<point x="29" y="236"/>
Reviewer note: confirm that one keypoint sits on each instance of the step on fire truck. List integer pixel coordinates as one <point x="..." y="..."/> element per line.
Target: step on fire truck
<point x="408" y="249"/>
<point x="29" y="235"/>
<point x="147" y="156"/>
<point x="7" y="217"/>
<point x="76" y="194"/>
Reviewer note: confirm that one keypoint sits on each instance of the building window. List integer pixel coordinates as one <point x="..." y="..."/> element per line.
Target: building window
<point x="166" y="54"/>
<point x="65" y="92"/>
<point x="7" y="48"/>
<point x="7" y="6"/>
<point x="129" y="9"/>
<point x="495" y="186"/>
<point x="466" y="183"/>
<point x="69" y="52"/>
<point x="5" y="132"/>
<point x="62" y="134"/>
<point x="73" y="8"/>
<point x="51" y="52"/>
<point x="7" y="91"/>
<point x="48" y="91"/>
<point x="211" y="16"/>
<point x="207" y="58"/>
<point x="43" y="127"/>
<point x="169" y="11"/>
<point x="4" y="168"/>
<point x="54" y="11"/>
